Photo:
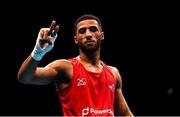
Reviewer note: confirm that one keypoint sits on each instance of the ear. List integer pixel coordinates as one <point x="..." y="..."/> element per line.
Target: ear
<point x="102" y="35"/>
<point x="75" y="40"/>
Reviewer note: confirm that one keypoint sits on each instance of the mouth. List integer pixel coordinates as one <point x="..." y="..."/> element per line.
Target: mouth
<point x="89" y="42"/>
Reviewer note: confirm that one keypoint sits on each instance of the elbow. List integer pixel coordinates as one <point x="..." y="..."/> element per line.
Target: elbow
<point x="18" y="76"/>
<point x="22" y="79"/>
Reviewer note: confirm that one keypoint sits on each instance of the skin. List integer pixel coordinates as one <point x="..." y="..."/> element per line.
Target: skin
<point x="88" y="36"/>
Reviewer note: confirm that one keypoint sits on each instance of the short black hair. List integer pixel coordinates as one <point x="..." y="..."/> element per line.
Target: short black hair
<point x="85" y="17"/>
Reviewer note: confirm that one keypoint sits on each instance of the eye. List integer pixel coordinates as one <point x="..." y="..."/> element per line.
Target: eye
<point x="82" y="30"/>
<point x="93" y="29"/>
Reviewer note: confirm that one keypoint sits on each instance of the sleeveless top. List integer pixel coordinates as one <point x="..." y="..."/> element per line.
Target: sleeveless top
<point x="89" y="93"/>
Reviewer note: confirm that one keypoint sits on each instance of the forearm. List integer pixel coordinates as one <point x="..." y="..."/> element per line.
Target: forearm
<point x="27" y="70"/>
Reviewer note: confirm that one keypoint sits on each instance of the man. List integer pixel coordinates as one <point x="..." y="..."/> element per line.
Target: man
<point x="86" y="85"/>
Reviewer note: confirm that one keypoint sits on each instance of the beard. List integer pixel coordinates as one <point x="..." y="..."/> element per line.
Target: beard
<point x="89" y="48"/>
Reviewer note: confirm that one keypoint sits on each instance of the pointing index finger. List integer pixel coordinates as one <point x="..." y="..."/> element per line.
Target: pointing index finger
<point x="52" y="27"/>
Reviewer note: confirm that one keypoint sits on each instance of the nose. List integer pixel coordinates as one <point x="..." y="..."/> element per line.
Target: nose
<point x="88" y="34"/>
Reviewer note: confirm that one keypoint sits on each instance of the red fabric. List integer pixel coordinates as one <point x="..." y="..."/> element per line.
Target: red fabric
<point x="89" y="94"/>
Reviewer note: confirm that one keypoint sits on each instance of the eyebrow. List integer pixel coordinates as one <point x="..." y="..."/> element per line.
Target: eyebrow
<point x="88" y="27"/>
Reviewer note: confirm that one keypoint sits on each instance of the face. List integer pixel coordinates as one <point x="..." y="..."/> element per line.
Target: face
<point x="89" y="35"/>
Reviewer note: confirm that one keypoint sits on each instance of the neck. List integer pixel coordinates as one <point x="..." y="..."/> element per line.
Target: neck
<point x="92" y="58"/>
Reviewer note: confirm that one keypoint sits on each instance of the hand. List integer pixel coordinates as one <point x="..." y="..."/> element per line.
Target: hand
<point x="45" y="41"/>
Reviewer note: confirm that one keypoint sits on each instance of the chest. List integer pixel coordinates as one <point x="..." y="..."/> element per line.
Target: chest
<point x="104" y="79"/>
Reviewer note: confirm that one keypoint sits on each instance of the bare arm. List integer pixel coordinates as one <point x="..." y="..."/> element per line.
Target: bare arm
<point x="29" y="71"/>
<point x="120" y="104"/>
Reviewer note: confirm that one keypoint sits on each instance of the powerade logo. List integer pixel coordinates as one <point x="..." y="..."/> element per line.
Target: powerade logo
<point x="89" y="110"/>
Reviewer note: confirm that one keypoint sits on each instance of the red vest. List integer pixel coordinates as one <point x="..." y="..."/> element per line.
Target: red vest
<point x="89" y="93"/>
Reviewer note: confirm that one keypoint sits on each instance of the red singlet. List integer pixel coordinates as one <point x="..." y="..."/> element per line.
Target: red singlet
<point x="89" y="93"/>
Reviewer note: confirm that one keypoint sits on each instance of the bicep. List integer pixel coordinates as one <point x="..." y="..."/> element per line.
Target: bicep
<point x="44" y="75"/>
<point x="121" y="107"/>
<point x="52" y="71"/>
<point x="120" y="104"/>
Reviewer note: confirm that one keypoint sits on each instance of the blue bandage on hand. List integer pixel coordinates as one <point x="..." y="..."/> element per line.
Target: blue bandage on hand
<point x="43" y="45"/>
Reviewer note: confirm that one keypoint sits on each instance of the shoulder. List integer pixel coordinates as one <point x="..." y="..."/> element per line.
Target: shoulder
<point x="117" y="75"/>
<point x="114" y="70"/>
<point x="60" y="64"/>
<point x="60" y="61"/>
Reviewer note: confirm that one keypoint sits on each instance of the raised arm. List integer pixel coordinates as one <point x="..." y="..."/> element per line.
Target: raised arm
<point x="29" y="73"/>
<point x="120" y="105"/>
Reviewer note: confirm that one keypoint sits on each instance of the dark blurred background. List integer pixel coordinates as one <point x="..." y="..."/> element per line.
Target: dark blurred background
<point x="140" y="40"/>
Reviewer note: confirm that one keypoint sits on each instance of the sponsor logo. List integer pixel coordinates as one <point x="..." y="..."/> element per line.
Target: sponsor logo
<point x="89" y="110"/>
<point x="81" y="81"/>
<point x="112" y="87"/>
